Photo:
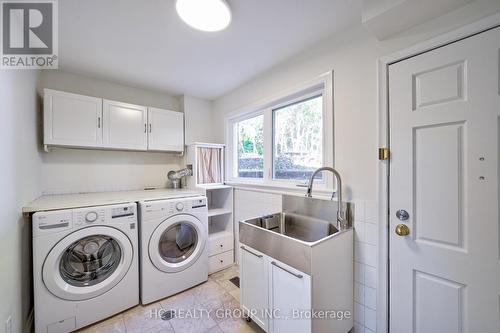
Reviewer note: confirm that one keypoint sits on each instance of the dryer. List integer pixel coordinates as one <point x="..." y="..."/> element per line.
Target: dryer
<point x="173" y="244"/>
<point x="85" y="265"/>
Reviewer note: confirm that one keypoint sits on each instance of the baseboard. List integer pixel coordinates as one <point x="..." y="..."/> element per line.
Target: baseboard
<point x="28" y="325"/>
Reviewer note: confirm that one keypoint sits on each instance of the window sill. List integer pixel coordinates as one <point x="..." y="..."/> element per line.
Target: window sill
<point x="320" y="193"/>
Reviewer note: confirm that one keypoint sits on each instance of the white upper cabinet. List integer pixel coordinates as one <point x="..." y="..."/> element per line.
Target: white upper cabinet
<point x="72" y="120"/>
<point x="124" y="126"/>
<point x="166" y="130"/>
<point x="79" y="121"/>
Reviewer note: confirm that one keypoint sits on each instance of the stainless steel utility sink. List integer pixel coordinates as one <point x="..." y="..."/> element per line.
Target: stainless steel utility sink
<point x="304" y="228"/>
<point x="292" y="235"/>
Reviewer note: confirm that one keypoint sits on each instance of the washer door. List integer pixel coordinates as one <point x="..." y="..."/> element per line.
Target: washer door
<point x="87" y="263"/>
<point x="177" y="243"/>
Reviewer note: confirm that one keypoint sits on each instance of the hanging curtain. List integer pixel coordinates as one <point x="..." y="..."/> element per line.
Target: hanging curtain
<point x="209" y="168"/>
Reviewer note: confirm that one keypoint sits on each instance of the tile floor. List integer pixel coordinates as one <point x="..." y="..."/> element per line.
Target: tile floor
<point x="208" y="302"/>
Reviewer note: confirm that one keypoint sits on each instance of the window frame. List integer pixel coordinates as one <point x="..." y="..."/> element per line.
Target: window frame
<point x="322" y="85"/>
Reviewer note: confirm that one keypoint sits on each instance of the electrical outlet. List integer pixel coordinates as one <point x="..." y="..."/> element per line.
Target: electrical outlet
<point x="8" y="325"/>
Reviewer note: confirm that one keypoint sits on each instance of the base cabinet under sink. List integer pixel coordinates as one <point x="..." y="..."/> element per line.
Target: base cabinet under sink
<point x="281" y="299"/>
<point x="272" y="292"/>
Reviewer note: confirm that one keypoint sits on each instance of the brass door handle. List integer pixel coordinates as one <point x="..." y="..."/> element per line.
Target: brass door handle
<point x="402" y="230"/>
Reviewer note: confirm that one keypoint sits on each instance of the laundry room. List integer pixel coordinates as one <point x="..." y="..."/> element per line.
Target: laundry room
<point x="227" y="166"/>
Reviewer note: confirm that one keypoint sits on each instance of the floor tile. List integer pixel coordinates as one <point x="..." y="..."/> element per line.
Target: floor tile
<point x="143" y="318"/>
<point x="215" y="329"/>
<point x="195" y="311"/>
<point x="236" y="294"/>
<point x="239" y="325"/>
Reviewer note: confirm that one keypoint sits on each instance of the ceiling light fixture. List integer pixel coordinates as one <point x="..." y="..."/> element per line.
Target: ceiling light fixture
<point x="205" y="15"/>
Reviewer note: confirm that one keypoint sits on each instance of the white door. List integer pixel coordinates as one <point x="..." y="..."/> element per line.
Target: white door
<point x="290" y="291"/>
<point x="254" y="285"/>
<point x="444" y="139"/>
<point x="166" y="130"/>
<point x="125" y="126"/>
<point x="72" y="120"/>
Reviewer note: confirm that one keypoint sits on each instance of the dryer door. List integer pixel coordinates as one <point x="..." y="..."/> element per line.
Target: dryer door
<point x="87" y="263"/>
<point x="177" y="243"/>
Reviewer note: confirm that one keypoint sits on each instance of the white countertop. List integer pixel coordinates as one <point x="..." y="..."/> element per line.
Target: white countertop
<point x="68" y="201"/>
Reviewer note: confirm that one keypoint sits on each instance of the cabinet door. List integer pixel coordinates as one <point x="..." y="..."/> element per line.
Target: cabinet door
<point x="254" y="285"/>
<point x="290" y="291"/>
<point x="124" y="126"/>
<point x="72" y="120"/>
<point x="166" y="130"/>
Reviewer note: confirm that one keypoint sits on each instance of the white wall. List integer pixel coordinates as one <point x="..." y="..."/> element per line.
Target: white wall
<point x="19" y="184"/>
<point x="353" y="56"/>
<point x="198" y="118"/>
<point x="72" y="170"/>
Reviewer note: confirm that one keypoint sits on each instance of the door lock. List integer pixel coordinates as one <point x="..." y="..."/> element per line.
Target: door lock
<point x="402" y="215"/>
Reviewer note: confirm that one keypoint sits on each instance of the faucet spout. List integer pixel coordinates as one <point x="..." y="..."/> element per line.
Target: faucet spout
<point x="341" y="223"/>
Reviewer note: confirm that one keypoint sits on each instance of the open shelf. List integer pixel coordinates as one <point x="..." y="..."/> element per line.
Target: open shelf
<point x="219" y="211"/>
<point x="216" y="233"/>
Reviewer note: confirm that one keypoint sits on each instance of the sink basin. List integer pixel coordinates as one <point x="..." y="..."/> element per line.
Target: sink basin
<point x="293" y="235"/>
<point x="304" y="228"/>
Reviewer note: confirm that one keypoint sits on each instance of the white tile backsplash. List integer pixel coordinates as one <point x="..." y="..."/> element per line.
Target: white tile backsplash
<point x="365" y="266"/>
<point x="359" y="211"/>
<point x="370" y="319"/>
<point x="359" y="272"/>
<point x="370" y="278"/>
<point x="370" y="297"/>
<point x="358" y="328"/>
<point x="359" y="313"/>
<point x="371" y="254"/>
<point x="359" y="231"/>
<point x="371" y="233"/>
<point x="371" y="212"/>
<point x="359" y="293"/>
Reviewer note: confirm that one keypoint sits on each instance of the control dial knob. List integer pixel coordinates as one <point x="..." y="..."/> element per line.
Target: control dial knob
<point x="91" y="217"/>
<point x="179" y="206"/>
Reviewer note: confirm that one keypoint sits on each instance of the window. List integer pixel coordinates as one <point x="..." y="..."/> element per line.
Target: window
<point x="283" y="141"/>
<point x="298" y="139"/>
<point x="251" y="147"/>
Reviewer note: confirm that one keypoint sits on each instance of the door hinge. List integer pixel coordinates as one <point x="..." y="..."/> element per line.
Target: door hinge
<point x="384" y="154"/>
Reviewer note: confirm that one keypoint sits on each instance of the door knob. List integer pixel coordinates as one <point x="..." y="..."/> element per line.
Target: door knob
<point x="402" y="230"/>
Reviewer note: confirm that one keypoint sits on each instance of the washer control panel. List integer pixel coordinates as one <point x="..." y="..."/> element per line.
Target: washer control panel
<point x="89" y="216"/>
<point x="60" y="220"/>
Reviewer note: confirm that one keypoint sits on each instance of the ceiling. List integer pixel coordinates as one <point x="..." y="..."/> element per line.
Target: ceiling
<point x="143" y="43"/>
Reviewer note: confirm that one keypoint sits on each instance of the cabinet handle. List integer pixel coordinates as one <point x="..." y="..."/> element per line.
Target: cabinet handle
<point x="255" y="254"/>
<point x="149" y="128"/>
<point x="98" y="122"/>
<point x="145" y="128"/>
<point x="300" y="276"/>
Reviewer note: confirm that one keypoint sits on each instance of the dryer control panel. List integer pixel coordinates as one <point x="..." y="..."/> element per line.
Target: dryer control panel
<point x="174" y="206"/>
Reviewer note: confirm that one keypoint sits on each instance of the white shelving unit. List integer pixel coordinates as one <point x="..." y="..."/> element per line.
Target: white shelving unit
<point x="220" y="227"/>
<point x="207" y="163"/>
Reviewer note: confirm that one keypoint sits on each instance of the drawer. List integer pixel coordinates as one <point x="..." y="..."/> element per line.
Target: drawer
<point x="220" y="261"/>
<point x="220" y="243"/>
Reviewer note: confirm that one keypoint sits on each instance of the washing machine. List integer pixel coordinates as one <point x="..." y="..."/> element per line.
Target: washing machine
<point x="85" y="265"/>
<point x="173" y="246"/>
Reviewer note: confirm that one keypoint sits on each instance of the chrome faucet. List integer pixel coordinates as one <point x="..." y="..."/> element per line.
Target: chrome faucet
<point x="341" y="222"/>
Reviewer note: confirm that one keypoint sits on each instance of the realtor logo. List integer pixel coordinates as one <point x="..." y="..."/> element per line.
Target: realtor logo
<point x="29" y="34"/>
